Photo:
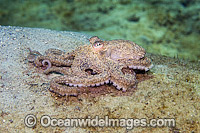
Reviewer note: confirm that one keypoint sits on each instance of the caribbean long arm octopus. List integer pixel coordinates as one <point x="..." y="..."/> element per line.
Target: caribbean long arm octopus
<point x="92" y="65"/>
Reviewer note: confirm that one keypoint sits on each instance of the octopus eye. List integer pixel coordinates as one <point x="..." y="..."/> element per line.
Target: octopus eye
<point x="97" y="45"/>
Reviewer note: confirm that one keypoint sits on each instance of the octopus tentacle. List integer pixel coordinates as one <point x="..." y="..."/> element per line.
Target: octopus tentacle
<point x="69" y="55"/>
<point x="122" y="80"/>
<point x="49" y="65"/>
<point x="34" y="52"/>
<point x="54" y="61"/>
<point x="56" y="85"/>
<point x="142" y="64"/>
<point x="70" y="83"/>
<point x="85" y="81"/>
<point x="53" y="51"/>
<point x="61" y="70"/>
<point x="32" y="55"/>
<point x="60" y="54"/>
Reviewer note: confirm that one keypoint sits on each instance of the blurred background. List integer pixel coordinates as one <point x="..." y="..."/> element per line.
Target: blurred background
<point x="166" y="27"/>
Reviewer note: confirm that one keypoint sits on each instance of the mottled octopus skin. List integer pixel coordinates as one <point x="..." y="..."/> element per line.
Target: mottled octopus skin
<point x="96" y="64"/>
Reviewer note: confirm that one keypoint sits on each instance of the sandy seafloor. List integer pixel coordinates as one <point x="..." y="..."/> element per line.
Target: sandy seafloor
<point x="173" y="92"/>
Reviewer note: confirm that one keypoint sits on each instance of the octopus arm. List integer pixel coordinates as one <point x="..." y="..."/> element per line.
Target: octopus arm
<point x="122" y="81"/>
<point x="71" y="84"/>
<point x="60" y="70"/>
<point x="54" y="61"/>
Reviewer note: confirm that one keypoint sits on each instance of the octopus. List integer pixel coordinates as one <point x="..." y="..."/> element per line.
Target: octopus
<point x="101" y="62"/>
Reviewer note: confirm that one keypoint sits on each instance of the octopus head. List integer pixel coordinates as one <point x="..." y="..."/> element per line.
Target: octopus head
<point x="122" y="51"/>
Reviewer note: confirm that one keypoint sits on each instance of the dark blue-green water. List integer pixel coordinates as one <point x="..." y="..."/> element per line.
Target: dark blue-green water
<point x="166" y="27"/>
